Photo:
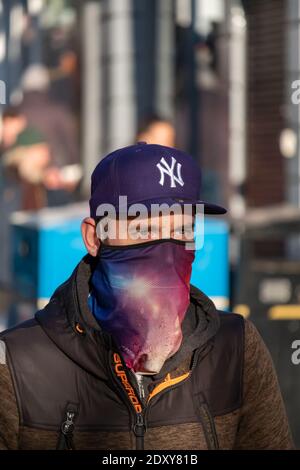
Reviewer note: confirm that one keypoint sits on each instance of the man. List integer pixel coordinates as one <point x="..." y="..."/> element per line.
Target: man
<point x="55" y="122"/>
<point x="25" y="157"/>
<point x="128" y="355"/>
<point x="154" y="129"/>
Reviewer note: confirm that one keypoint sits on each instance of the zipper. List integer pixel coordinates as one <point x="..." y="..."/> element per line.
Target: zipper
<point x="208" y="425"/>
<point x="140" y="419"/>
<point x="139" y="430"/>
<point x="65" y="440"/>
<point x="139" y="379"/>
<point x="138" y="424"/>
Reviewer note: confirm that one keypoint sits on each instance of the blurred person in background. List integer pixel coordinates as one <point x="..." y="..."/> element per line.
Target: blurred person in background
<point x="156" y="130"/>
<point x="56" y="123"/>
<point x="65" y="72"/>
<point x="25" y="158"/>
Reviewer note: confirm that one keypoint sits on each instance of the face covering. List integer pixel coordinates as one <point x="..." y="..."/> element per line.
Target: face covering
<point x="140" y="295"/>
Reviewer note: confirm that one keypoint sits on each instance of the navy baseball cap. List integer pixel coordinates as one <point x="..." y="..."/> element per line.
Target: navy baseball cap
<point x="148" y="174"/>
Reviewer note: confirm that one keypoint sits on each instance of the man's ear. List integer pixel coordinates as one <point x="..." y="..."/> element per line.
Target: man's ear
<point x="89" y="235"/>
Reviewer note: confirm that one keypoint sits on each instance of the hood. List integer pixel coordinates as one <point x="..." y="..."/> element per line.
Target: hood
<point x="69" y="323"/>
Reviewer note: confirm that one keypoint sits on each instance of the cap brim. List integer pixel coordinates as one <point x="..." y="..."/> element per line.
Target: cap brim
<point x="212" y="208"/>
<point x="208" y="207"/>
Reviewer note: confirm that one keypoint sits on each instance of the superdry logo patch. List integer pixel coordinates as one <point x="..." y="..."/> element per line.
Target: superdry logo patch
<point x="121" y="374"/>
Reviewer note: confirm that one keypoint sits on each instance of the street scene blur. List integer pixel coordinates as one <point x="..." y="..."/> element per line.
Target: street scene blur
<point x="217" y="79"/>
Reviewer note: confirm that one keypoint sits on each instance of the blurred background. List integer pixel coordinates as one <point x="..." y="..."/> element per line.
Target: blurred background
<point x="216" y="78"/>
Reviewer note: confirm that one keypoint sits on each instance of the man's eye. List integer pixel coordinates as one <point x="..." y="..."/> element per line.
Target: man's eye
<point x="184" y="233"/>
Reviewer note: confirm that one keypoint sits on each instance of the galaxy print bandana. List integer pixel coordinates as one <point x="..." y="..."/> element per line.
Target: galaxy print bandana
<point x="140" y="295"/>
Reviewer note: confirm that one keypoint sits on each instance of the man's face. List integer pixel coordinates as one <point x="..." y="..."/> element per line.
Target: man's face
<point x="178" y="227"/>
<point x="134" y="231"/>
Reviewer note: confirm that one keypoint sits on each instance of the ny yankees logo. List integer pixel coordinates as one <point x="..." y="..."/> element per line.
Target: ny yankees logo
<point x="165" y="169"/>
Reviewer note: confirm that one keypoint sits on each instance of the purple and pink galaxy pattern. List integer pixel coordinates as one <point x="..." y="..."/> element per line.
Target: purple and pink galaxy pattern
<point x="140" y="295"/>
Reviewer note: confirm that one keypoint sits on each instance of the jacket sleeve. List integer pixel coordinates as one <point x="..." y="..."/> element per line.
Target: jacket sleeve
<point x="263" y="421"/>
<point x="9" y="417"/>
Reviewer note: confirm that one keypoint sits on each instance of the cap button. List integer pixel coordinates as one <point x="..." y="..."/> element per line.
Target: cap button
<point x="142" y="143"/>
